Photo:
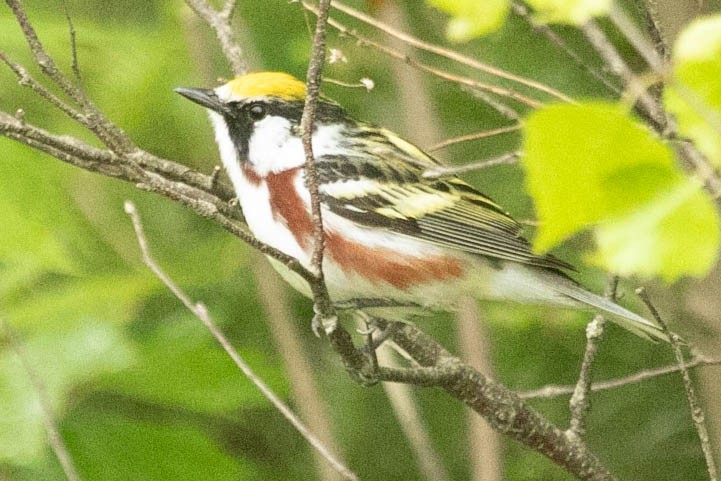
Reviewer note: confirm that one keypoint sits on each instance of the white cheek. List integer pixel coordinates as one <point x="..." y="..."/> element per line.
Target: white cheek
<point x="274" y="148"/>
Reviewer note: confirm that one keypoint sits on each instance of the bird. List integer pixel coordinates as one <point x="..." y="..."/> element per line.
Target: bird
<point x="390" y="232"/>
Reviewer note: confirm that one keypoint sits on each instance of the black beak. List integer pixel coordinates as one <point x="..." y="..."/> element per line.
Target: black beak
<point x="204" y="97"/>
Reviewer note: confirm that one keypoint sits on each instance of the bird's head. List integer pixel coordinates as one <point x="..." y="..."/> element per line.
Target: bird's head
<point x="256" y="118"/>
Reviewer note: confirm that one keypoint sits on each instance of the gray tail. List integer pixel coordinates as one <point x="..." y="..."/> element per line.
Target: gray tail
<point x="623" y="317"/>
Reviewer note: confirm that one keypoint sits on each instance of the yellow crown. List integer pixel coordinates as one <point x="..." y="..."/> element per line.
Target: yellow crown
<point x="268" y="84"/>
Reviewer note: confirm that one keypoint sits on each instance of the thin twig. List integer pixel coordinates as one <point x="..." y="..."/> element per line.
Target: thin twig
<point x="54" y="438"/>
<point x="446" y="171"/>
<point x="275" y="298"/>
<point x="73" y="45"/>
<point x="448" y="53"/>
<point x="522" y="10"/>
<point x="109" y="133"/>
<point x="200" y="311"/>
<point x="553" y="391"/>
<point x="494" y="102"/>
<point x="699" y="420"/>
<point x="474" y="136"/>
<point x="463" y="81"/>
<point x="580" y="402"/>
<point x="219" y="21"/>
<point x="313" y="79"/>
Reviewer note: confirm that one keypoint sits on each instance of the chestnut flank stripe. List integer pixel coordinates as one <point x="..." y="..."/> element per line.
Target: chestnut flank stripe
<point x="386" y="265"/>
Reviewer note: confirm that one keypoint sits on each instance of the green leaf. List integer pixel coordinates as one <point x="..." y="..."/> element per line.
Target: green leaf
<point x="695" y="94"/>
<point x="674" y="236"/>
<point x="591" y="165"/>
<point x="572" y="156"/>
<point x="470" y="18"/>
<point x="574" y="12"/>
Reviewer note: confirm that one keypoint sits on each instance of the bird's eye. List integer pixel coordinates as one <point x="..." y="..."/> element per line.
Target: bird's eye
<point x="256" y="112"/>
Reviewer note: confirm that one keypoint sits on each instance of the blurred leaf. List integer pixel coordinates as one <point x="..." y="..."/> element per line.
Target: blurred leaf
<point x="472" y="18"/>
<point x="575" y="12"/>
<point x="59" y="304"/>
<point x="61" y="362"/>
<point x="113" y="448"/>
<point x="31" y="245"/>
<point x="592" y="164"/>
<point x="182" y="366"/>
<point x="695" y="95"/>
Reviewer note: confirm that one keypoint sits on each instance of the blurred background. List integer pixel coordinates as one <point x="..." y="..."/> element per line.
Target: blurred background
<point x="139" y="388"/>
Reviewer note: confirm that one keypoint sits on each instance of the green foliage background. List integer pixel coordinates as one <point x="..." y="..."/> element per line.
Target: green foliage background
<point x="140" y="389"/>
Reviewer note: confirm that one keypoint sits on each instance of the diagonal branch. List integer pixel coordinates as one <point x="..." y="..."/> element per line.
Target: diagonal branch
<point x="391" y="52"/>
<point x="200" y="311"/>
<point x="501" y="408"/>
<point x="521" y="10"/>
<point x="697" y="415"/>
<point x="51" y="428"/>
<point x="475" y="136"/>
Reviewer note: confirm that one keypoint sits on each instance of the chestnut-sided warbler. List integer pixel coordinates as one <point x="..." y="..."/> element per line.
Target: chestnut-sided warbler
<point x="390" y="232"/>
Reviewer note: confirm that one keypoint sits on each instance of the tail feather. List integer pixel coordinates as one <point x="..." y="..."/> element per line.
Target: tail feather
<point x="633" y="322"/>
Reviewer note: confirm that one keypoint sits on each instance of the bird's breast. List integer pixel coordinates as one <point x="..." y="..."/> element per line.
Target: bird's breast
<point x="274" y="211"/>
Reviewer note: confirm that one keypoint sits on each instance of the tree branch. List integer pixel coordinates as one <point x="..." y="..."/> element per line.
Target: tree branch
<point x="502" y="409"/>
<point x="110" y="134"/>
<point x="521" y="10"/>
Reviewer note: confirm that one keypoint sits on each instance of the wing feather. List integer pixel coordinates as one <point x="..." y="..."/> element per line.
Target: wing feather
<point x="446" y="212"/>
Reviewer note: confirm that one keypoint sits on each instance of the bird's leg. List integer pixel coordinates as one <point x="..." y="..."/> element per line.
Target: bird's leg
<point x="322" y="324"/>
<point x="370" y="347"/>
